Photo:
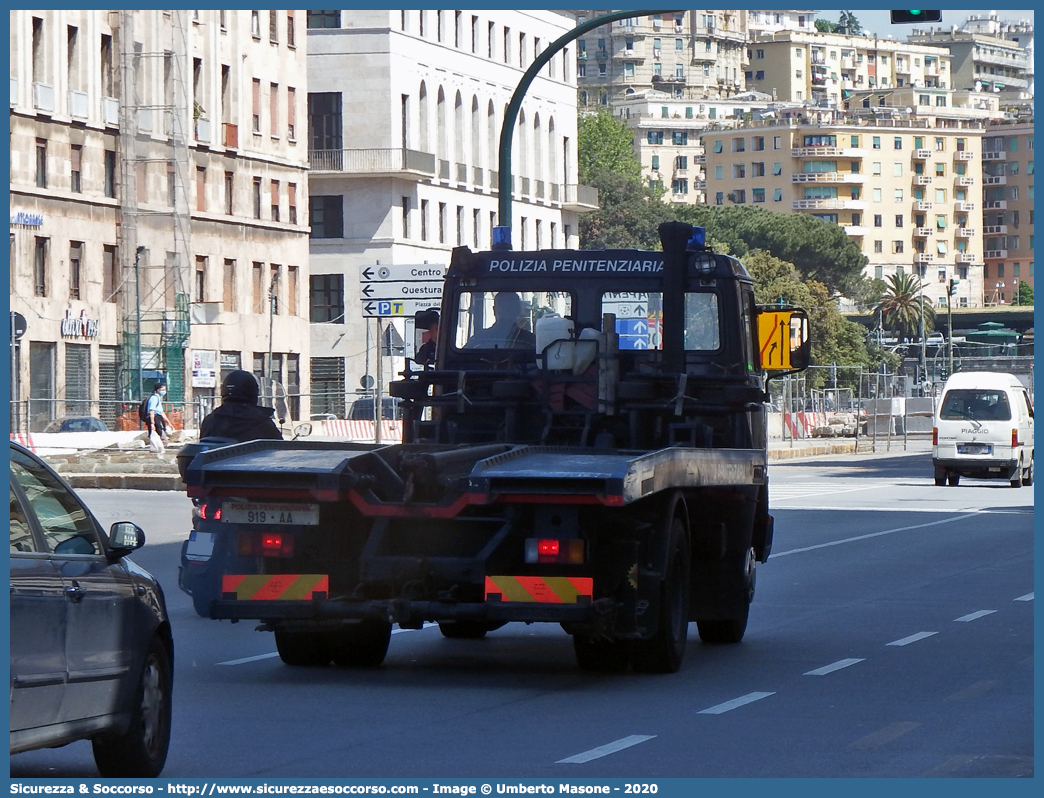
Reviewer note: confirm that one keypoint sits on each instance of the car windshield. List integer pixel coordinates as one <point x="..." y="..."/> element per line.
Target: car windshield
<point x="975" y="405"/>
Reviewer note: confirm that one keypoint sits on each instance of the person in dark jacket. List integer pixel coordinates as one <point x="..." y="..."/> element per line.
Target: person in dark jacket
<point x="239" y="416"/>
<point x="427" y="320"/>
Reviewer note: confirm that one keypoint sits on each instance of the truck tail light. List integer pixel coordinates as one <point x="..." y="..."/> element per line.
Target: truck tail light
<point x="555" y="550"/>
<point x="266" y="544"/>
<point x="208" y="512"/>
<point x="1015" y="439"/>
<point x="935" y="436"/>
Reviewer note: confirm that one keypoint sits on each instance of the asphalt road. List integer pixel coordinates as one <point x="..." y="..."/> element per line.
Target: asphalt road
<point x="891" y="636"/>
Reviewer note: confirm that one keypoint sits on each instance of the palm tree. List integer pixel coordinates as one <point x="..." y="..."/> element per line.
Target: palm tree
<point x="901" y="307"/>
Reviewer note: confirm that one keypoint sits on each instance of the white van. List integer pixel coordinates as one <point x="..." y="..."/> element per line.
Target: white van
<point x="983" y="429"/>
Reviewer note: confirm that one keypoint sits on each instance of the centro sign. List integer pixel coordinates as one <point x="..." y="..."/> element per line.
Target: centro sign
<point x="79" y="326"/>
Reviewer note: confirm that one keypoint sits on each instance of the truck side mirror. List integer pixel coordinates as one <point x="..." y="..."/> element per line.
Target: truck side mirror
<point x="784" y="340"/>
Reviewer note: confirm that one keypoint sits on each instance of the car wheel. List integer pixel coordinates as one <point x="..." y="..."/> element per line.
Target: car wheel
<point x="141" y="751"/>
<point x="360" y="645"/>
<point x="1016" y="480"/>
<point x="303" y="649"/>
<point x="953" y="479"/>
<point x="940" y="477"/>
<point x="1027" y="476"/>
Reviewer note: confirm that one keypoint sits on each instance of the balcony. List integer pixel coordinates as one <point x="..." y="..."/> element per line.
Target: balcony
<point x="111" y="111"/>
<point x="996" y="205"/>
<point x="477" y="173"/>
<point x="829" y="204"/>
<point x="921" y="155"/>
<point x="965" y="232"/>
<point x="855" y="230"/>
<point x="701" y="158"/>
<point x="443" y="170"/>
<point x="923" y="257"/>
<point x="963" y="155"/>
<point x="965" y="257"/>
<point x="922" y="232"/>
<point x="922" y="180"/>
<point x="43" y="97"/>
<point x="409" y="164"/>
<point x="920" y="205"/>
<point x="602" y="55"/>
<point x="525" y="183"/>
<point x="201" y="129"/>
<point x="964" y="181"/>
<point x="826" y="152"/>
<point x="995" y="254"/>
<point x="579" y="197"/>
<point x="996" y="155"/>
<point x="995" y="229"/>
<point x="700" y="185"/>
<point x="995" y="180"/>
<point x="462" y="172"/>
<point x="827" y="177"/>
<point x="964" y="207"/>
<point x="78" y="104"/>
<point x="628" y="55"/>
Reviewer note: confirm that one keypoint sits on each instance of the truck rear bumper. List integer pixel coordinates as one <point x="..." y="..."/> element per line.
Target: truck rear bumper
<point x="410" y="614"/>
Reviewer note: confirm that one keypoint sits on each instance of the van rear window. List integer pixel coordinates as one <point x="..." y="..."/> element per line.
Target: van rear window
<point x="979" y="405"/>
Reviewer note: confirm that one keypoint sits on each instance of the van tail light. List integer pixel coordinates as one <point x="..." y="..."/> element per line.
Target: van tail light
<point x="935" y="436"/>
<point x="1015" y="439"/>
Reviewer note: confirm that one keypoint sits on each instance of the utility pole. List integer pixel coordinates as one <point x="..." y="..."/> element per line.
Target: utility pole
<point x="137" y="314"/>
<point x="950" y="288"/>
<point x="924" y="357"/>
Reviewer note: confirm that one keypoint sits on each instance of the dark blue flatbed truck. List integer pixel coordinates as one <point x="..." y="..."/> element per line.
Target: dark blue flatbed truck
<point x="588" y="449"/>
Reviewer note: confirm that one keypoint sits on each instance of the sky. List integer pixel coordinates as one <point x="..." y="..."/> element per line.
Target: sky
<point x="877" y="21"/>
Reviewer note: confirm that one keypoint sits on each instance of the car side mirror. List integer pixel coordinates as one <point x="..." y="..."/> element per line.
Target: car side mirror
<point x="126" y="536"/>
<point x="302" y="430"/>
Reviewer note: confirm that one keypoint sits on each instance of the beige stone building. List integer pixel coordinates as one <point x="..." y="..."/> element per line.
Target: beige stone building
<point x="1007" y="209"/>
<point x="908" y="191"/>
<point x="158" y="205"/>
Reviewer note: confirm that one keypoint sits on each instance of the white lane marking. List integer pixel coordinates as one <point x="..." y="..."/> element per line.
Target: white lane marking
<point x="250" y="659"/>
<point x="259" y="657"/>
<point x="834" y="666"/>
<point x="605" y="750"/>
<point x="806" y="493"/>
<point x="875" y="509"/>
<point x="974" y="616"/>
<point x="911" y="639"/>
<point x="1027" y="597"/>
<point x="743" y="700"/>
<point x="875" y="535"/>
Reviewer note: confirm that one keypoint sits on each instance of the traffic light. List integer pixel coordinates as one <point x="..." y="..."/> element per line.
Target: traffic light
<point x="899" y="17"/>
<point x="954" y="282"/>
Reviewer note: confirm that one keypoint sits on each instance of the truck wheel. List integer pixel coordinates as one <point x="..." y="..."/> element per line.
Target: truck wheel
<point x="141" y="751"/>
<point x="303" y="649"/>
<point x="953" y="479"/>
<point x="731" y="630"/>
<point x="464" y="630"/>
<point x="601" y="656"/>
<point x="360" y="645"/>
<point x="664" y="651"/>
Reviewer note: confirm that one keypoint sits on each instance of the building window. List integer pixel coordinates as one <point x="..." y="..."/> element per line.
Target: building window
<point x="41" y="163"/>
<point x="75" y="159"/>
<point x="255" y="24"/>
<point x="258" y="281"/>
<point x="200" y="283"/>
<point x="326" y="298"/>
<point x="291" y="114"/>
<point x="229" y="191"/>
<point x="110" y="173"/>
<point x="40" y="267"/>
<point x="257" y="197"/>
<point x="442" y="222"/>
<point x="255" y="106"/>
<point x="75" y="258"/>
<point x="324" y="120"/>
<point x="275" y="200"/>
<point x="326" y="216"/>
<point x="273" y="27"/>
<point x="291" y="198"/>
<point x="291" y="31"/>
<point x="228" y="286"/>
<point x="898" y="220"/>
<point x="324" y="19"/>
<point x="405" y="217"/>
<point x="424" y="220"/>
<point x="460" y="225"/>
<point x="327" y="385"/>
<point x="273" y="108"/>
<point x="273" y="288"/>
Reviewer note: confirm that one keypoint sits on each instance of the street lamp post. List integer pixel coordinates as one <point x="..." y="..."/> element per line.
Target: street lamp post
<point x="924" y="357"/>
<point x="1015" y="291"/>
<point x="950" y="288"/>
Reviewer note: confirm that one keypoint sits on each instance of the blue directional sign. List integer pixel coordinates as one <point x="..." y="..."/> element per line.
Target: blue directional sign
<point x="634" y="333"/>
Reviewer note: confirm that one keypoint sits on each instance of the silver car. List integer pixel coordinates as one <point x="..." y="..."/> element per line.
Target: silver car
<point x="91" y="650"/>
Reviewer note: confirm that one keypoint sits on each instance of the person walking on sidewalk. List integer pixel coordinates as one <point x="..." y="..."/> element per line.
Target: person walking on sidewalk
<point x="156" y="420"/>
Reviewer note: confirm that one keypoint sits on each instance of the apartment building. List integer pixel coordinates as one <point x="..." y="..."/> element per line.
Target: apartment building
<point x="766" y="23"/>
<point x="158" y="205"/>
<point x="822" y="69"/>
<point x="690" y="55"/>
<point x="1007" y="209"/>
<point x="909" y="192"/>
<point x="405" y="111"/>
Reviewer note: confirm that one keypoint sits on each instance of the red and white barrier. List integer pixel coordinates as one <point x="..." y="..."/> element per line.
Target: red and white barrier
<point x="362" y="431"/>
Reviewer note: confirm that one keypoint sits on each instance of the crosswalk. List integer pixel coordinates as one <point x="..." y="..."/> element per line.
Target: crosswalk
<point x="782" y="491"/>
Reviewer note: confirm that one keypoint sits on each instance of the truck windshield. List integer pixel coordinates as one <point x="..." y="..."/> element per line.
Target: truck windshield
<point x="702" y="322"/>
<point x="977" y="405"/>
<point x="505" y="319"/>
